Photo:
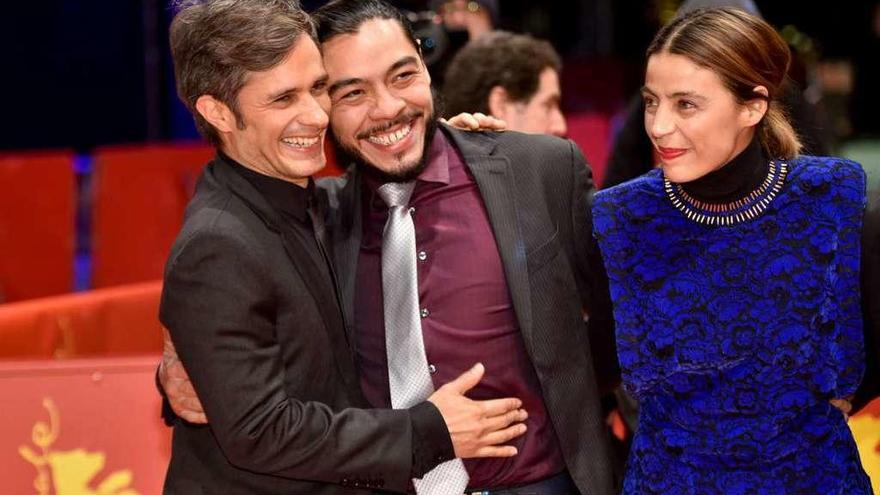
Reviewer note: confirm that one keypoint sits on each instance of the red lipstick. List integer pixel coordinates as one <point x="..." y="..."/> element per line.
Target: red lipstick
<point x="667" y="154"/>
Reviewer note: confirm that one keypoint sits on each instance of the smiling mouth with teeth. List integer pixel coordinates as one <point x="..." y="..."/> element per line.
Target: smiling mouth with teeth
<point x="387" y="139"/>
<point x="301" y="142"/>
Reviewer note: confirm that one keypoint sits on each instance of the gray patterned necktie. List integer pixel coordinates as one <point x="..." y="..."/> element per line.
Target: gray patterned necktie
<point x="408" y="374"/>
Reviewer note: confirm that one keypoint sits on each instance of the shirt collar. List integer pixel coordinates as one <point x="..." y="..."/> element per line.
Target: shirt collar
<point x="437" y="168"/>
<point x="285" y="197"/>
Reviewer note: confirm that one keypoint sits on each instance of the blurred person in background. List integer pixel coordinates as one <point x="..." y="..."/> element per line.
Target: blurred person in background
<point x="866" y="96"/>
<point x="473" y="17"/>
<point x="458" y="22"/>
<point x="865" y="102"/>
<point x="513" y="77"/>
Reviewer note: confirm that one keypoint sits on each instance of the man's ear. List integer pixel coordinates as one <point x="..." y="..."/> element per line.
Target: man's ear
<point x="216" y="113"/>
<point x="757" y="107"/>
<point x="499" y="102"/>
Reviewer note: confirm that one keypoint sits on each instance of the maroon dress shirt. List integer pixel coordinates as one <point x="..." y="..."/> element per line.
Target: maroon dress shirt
<point x="467" y="313"/>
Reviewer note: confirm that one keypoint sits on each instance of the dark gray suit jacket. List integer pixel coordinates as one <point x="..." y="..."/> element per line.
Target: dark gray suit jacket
<point x="271" y="364"/>
<point x="537" y="191"/>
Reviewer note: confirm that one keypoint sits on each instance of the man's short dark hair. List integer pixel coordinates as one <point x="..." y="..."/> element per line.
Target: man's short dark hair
<point x="216" y="43"/>
<point x="512" y="61"/>
<point x="346" y="17"/>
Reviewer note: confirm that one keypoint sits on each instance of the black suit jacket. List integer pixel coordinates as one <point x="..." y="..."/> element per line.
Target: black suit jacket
<point x="269" y="361"/>
<point x="536" y="190"/>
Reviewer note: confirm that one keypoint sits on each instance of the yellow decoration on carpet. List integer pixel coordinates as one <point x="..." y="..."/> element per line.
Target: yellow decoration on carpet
<point x="69" y="472"/>
<point x="866" y="430"/>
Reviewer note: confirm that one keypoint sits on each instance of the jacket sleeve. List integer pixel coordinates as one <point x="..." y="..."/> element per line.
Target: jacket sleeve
<point x="219" y="306"/>
<point x="590" y="276"/>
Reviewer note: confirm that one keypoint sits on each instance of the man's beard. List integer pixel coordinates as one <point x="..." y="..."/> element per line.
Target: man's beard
<point x="347" y="154"/>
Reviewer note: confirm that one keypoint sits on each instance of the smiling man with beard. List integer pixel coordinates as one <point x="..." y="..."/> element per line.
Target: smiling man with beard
<point x="488" y="233"/>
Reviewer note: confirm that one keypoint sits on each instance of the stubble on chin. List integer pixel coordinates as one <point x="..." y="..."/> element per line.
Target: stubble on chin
<point x="404" y="172"/>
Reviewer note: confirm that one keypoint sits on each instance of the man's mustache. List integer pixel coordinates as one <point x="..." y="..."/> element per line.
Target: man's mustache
<point x="401" y="119"/>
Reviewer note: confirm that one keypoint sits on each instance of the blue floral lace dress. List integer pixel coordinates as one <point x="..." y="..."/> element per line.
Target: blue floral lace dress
<point x="736" y="327"/>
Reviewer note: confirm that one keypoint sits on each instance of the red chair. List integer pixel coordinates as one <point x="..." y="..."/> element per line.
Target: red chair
<point x="107" y="322"/>
<point x="140" y="193"/>
<point x="37" y="218"/>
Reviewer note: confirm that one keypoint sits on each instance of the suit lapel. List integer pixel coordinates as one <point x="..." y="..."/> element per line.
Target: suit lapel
<point x="497" y="184"/>
<point x="319" y="287"/>
<point x="345" y="227"/>
<point x="323" y="293"/>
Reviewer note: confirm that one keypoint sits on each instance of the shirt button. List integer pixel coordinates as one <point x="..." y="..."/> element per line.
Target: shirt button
<point x="412" y="210"/>
<point x="432" y="369"/>
<point x="423" y="256"/>
<point x="425" y="313"/>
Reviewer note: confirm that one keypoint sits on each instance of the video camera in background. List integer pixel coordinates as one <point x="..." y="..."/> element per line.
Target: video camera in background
<point x="447" y="26"/>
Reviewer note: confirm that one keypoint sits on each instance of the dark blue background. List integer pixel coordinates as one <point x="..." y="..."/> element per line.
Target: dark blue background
<point x="81" y="73"/>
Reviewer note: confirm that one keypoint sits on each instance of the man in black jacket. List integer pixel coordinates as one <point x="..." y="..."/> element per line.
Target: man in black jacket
<point x="250" y="295"/>
<point x="501" y="228"/>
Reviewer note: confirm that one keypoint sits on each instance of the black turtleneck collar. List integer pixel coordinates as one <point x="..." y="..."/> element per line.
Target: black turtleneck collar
<point x="286" y="197"/>
<point x="733" y="181"/>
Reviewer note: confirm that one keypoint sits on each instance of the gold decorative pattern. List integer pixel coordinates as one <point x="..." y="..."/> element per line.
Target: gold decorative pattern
<point x="866" y="430"/>
<point x="69" y="472"/>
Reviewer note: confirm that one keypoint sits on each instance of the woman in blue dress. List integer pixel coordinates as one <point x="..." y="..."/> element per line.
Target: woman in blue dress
<point x="734" y="273"/>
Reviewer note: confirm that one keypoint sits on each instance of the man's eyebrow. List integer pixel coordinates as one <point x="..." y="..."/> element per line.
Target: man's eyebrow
<point x="286" y="91"/>
<point x="280" y="93"/>
<point x="402" y="62"/>
<point x="341" y="84"/>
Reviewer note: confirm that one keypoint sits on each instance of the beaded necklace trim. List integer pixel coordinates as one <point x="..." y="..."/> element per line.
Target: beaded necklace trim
<point x="748" y="208"/>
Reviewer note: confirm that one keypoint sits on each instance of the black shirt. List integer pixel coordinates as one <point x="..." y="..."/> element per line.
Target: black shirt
<point x="301" y="214"/>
